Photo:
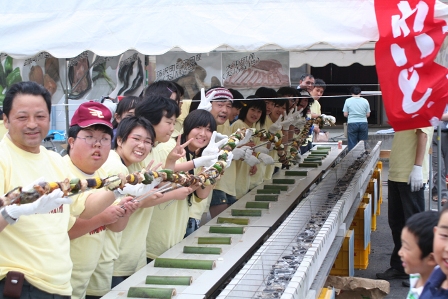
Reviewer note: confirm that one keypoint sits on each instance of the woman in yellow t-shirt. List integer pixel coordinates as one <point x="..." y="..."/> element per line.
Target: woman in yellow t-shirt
<point x="134" y="140"/>
<point x="252" y="115"/>
<point x="170" y="221"/>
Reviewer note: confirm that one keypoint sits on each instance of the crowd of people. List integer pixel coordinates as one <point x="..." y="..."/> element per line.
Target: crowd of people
<point x="83" y="245"/>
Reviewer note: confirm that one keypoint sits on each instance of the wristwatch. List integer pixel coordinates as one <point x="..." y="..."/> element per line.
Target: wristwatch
<point x="7" y="217"/>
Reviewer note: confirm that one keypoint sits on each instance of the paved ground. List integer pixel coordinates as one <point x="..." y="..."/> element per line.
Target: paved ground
<point x="382" y="245"/>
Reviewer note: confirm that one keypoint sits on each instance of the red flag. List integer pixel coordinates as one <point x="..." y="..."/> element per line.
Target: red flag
<point x="414" y="87"/>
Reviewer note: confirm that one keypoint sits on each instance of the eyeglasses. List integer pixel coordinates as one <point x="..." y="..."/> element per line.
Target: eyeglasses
<point x="145" y="142"/>
<point x="310" y="83"/>
<point x="91" y="141"/>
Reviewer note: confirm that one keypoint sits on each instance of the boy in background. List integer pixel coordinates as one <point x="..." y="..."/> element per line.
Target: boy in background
<point x="437" y="284"/>
<point x="416" y="250"/>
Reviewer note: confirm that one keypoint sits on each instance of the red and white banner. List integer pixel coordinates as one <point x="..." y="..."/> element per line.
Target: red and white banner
<point x="414" y="87"/>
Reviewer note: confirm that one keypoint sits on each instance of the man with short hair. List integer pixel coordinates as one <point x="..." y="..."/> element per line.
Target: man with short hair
<point x="89" y="143"/>
<point x="306" y="82"/>
<point x="36" y="245"/>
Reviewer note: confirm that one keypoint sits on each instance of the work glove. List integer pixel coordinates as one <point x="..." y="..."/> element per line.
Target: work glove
<point x="248" y="134"/>
<point x="43" y="205"/>
<point x="205" y="103"/>
<point x="262" y="149"/>
<point x="252" y="161"/>
<point x="329" y="118"/>
<point x="299" y="122"/>
<point x="140" y="189"/>
<point x="266" y="159"/>
<point x="416" y="178"/>
<point x="205" y="161"/>
<point x="213" y="146"/>
<point x="287" y="120"/>
<point x="229" y="159"/>
<point x="220" y="136"/>
<point x="240" y="152"/>
<point x="277" y="126"/>
<point x="296" y="115"/>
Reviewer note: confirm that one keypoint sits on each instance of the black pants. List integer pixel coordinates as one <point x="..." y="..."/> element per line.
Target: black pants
<point x="402" y="204"/>
<point x="29" y="291"/>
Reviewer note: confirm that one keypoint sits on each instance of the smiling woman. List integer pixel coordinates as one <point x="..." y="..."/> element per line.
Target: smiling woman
<point x="134" y="139"/>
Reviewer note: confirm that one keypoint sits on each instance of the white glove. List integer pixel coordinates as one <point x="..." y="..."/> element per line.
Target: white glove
<point x="140" y="189"/>
<point x="300" y="122"/>
<point x="287" y="120"/>
<point x="229" y="159"/>
<point x="328" y="118"/>
<point x="247" y="136"/>
<point x="43" y="205"/>
<point x="277" y="126"/>
<point x="252" y="161"/>
<point x="220" y="136"/>
<point x="205" y="101"/>
<point x="248" y="153"/>
<point x="262" y="149"/>
<point x="266" y="159"/>
<point x="296" y="115"/>
<point x="239" y="152"/>
<point x="416" y="178"/>
<point x="205" y="161"/>
<point x="214" y="147"/>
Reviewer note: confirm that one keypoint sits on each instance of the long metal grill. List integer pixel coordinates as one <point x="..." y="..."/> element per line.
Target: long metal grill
<point x="287" y="264"/>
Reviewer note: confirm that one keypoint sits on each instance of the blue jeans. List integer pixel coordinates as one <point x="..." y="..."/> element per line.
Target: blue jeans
<point x="220" y="197"/>
<point x="192" y="226"/>
<point x="355" y="133"/>
<point x="402" y="203"/>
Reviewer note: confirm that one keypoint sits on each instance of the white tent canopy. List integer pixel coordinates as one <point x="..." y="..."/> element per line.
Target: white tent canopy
<point x="109" y="28"/>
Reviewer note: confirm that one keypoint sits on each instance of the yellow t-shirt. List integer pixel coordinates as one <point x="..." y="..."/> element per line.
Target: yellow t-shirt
<point x="242" y="168"/>
<point x="37" y="245"/>
<point x="3" y="129"/>
<point x="315" y="107"/>
<point x="199" y="206"/>
<point x="184" y="110"/>
<point x="132" y="246"/>
<point x="402" y="155"/>
<point x="227" y="181"/>
<point x="257" y="178"/>
<point x="169" y="219"/>
<point x="101" y="279"/>
<point x="273" y="153"/>
<point x="85" y="251"/>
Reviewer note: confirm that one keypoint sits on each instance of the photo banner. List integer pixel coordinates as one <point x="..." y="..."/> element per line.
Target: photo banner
<point x="191" y="71"/>
<point x="247" y="72"/>
<point x="414" y="87"/>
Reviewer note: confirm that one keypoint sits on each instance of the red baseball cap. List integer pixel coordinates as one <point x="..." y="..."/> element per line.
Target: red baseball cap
<point x="92" y="113"/>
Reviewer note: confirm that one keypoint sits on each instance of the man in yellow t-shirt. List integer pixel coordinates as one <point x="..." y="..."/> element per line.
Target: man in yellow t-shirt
<point x="33" y="237"/>
<point x="89" y="142"/>
<point x="408" y="173"/>
<point x="3" y="129"/>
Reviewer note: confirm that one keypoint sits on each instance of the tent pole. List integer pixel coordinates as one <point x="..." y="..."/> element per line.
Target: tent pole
<point x="439" y="168"/>
<point x="67" y="114"/>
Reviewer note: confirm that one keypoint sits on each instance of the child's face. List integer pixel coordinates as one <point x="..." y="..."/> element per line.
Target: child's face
<point x="411" y="255"/>
<point x="165" y="128"/>
<point x="253" y="115"/>
<point x="440" y="247"/>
